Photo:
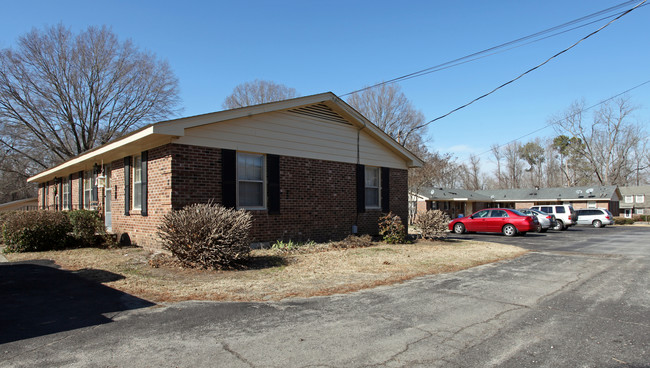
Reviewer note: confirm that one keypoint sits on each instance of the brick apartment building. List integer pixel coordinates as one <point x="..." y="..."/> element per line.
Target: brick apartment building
<point x="306" y="168"/>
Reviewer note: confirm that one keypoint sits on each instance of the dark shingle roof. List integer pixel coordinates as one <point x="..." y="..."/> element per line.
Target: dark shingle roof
<point x="541" y="194"/>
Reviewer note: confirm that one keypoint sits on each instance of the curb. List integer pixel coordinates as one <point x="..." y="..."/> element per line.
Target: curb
<point x="3" y="259"/>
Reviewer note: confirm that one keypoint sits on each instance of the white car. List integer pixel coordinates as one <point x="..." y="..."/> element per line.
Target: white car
<point x="546" y="221"/>
<point x="565" y="215"/>
<point x="596" y="217"/>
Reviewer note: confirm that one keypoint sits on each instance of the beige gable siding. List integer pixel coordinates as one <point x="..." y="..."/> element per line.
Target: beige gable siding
<point x="289" y="134"/>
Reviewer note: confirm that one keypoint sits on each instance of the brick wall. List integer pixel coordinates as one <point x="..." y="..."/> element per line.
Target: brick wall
<point x="318" y="198"/>
<point x="142" y="230"/>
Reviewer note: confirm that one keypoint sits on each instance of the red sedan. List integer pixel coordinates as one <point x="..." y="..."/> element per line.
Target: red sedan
<point x="495" y="220"/>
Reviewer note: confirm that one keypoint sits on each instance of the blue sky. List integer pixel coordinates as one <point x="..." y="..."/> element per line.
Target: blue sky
<point x="340" y="46"/>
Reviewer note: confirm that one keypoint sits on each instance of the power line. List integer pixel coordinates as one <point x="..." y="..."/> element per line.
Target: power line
<point x="493" y="50"/>
<point x="571" y="116"/>
<point x="531" y="69"/>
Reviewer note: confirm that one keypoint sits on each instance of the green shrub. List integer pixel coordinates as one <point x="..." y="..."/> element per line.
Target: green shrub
<point x="3" y="217"/>
<point x="207" y="235"/>
<point x="33" y="231"/>
<point x="353" y="241"/>
<point x="86" y="225"/>
<point x="392" y="229"/>
<point x="433" y="224"/>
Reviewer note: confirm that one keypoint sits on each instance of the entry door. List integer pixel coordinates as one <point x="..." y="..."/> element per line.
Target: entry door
<point x="108" y="219"/>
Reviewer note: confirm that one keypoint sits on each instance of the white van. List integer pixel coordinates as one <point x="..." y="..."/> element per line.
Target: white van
<point x="565" y="216"/>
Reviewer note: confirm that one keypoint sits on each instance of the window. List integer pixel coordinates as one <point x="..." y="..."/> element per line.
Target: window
<point x="137" y="182"/>
<point x="250" y="180"/>
<point x="66" y="194"/>
<point x="629" y="199"/>
<point x="628" y="213"/>
<point x="481" y="214"/>
<point x="499" y="213"/>
<point x="88" y="188"/>
<point x="559" y="209"/>
<point x="639" y="211"/>
<point x="640" y="198"/>
<point x="591" y="204"/>
<point x="372" y="187"/>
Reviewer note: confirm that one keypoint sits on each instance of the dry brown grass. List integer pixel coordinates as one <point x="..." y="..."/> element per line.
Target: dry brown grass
<point x="273" y="275"/>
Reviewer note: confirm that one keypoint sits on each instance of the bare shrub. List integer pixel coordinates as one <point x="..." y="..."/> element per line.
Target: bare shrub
<point x="392" y="229"/>
<point x="353" y="241"/>
<point x="207" y="235"/>
<point x="433" y="224"/>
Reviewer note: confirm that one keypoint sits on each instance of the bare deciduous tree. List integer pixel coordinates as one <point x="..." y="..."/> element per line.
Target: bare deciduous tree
<point x="472" y="173"/>
<point x="257" y="92"/>
<point x="388" y="108"/>
<point x="63" y="94"/>
<point x="608" y="142"/>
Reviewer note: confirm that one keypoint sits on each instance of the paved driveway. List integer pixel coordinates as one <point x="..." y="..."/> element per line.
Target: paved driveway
<point x="576" y="302"/>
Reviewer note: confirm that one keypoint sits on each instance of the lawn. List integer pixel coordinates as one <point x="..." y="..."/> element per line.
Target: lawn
<point x="274" y="274"/>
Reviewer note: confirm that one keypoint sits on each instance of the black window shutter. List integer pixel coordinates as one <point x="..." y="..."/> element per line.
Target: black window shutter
<point x="273" y="183"/>
<point x="43" y="195"/>
<point x="385" y="189"/>
<point x="361" y="188"/>
<point x="144" y="161"/>
<point x="81" y="189"/>
<point x="127" y="185"/>
<point x="69" y="204"/>
<point x="60" y="191"/>
<point x="94" y="197"/>
<point x="229" y="178"/>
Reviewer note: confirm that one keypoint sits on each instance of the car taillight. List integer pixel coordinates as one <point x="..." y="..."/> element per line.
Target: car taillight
<point x="548" y="217"/>
<point x="569" y="217"/>
<point x="607" y="217"/>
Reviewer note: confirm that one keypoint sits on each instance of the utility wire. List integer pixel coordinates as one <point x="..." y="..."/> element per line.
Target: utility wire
<point x="568" y="117"/>
<point x="531" y="69"/>
<point x="476" y="55"/>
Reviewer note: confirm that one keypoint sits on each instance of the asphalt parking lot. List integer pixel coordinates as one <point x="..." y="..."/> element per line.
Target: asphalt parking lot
<point x="581" y="239"/>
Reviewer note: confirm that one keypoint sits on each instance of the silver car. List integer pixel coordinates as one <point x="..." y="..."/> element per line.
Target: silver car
<point x="596" y="217"/>
<point x="546" y="221"/>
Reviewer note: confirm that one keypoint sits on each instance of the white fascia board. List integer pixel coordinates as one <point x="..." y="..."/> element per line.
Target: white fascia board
<point x="94" y="153"/>
<point x="461" y="199"/>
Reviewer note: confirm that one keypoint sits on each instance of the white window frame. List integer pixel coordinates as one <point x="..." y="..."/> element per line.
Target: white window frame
<point x="639" y="198"/>
<point x="88" y="189"/>
<point x="639" y="211"/>
<point x="591" y="204"/>
<point x="261" y="181"/>
<point x="629" y="199"/>
<point x="136" y="204"/>
<point x="65" y="188"/>
<point x="373" y="187"/>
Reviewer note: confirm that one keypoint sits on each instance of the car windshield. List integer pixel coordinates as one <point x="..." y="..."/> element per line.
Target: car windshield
<point x="516" y="212"/>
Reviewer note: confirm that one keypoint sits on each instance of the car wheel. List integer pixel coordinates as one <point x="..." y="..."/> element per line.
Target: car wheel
<point x="597" y="223"/>
<point x="509" y="230"/>
<point x="459" y="228"/>
<point x="559" y="225"/>
<point x="539" y="228"/>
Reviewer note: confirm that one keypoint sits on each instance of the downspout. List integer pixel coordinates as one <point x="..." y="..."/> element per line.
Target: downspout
<point x="355" y="227"/>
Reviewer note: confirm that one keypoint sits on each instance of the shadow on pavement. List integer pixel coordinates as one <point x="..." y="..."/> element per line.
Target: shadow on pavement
<point x="38" y="299"/>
